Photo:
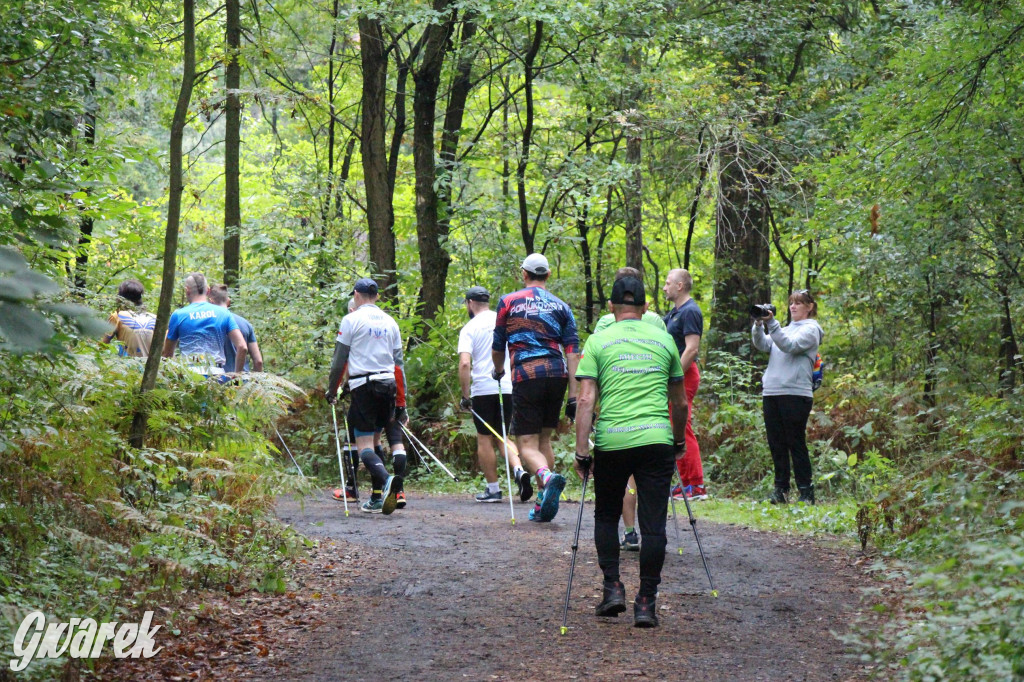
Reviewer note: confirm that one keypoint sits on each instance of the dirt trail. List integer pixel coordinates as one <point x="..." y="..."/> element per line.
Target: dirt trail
<point x="448" y="589"/>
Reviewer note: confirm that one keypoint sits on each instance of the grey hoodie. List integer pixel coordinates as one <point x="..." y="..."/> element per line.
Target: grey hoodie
<point x="793" y="350"/>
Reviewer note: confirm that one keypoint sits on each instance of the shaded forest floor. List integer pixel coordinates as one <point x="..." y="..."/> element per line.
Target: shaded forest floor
<point x="448" y="588"/>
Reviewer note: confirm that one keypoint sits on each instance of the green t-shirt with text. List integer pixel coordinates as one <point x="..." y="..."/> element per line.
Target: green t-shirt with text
<point x="650" y="317"/>
<point x="633" y="363"/>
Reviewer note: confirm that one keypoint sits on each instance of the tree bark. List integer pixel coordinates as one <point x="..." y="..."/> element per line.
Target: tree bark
<point x="232" y="143"/>
<point x="741" y="250"/>
<point x="380" y="215"/>
<point x="140" y="419"/>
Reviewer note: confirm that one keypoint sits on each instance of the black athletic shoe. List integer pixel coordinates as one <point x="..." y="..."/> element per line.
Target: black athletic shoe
<point x="779" y="496"/>
<point x="645" y="613"/>
<point x="807" y="494"/>
<point x="525" y="486"/>
<point x="630" y="542"/>
<point x="614" y="601"/>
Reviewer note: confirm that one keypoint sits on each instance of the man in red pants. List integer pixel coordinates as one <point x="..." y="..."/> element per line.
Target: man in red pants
<point x="685" y="324"/>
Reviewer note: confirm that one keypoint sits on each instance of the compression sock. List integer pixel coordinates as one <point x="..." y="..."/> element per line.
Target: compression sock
<point x="398" y="463"/>
<point x="543" y="475"/>
<point x="378" y="473"/>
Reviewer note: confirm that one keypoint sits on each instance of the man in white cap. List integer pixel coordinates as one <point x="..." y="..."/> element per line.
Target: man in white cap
<point x="480" y="394"/>
<point x="537" y="327"/>
<point x="369" y="350"/>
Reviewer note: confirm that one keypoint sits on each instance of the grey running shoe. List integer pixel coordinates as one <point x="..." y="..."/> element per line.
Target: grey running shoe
<point x="488" y="497"/>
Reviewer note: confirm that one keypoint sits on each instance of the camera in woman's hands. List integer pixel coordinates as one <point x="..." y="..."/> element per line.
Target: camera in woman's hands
<point x="760" y="311"/>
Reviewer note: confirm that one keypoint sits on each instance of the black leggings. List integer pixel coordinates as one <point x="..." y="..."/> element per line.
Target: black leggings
<point x="652" y="467"/>
<point x="785" y="420"/>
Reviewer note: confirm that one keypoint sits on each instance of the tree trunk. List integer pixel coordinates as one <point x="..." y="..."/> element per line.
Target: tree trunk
<point x="140" y="419"/>
<point x="741" y="250"/>
<point x="704" y="162"/>
<point x="85" y="226"/>
<point x="632" y="190"/>
<point x="434" y="259"/>
<point x="633" y="199"/>
<point x="232" y="142"/>
<point x="380" y="215"/>
<point x="1009" y="351"/>
<point x="524" y="156"/>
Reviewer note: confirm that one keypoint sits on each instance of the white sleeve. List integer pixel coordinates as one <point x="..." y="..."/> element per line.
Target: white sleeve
<point x="465" y="342"/>
<point x="345" y="331"/>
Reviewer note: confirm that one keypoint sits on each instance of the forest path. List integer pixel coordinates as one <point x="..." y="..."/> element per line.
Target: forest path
<point x="449" y="589"/>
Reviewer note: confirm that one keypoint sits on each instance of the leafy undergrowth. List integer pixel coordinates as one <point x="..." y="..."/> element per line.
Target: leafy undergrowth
<point x="92" y="528"/>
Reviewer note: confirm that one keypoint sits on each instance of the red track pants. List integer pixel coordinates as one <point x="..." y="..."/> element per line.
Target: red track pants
<point x="691" y="471"/>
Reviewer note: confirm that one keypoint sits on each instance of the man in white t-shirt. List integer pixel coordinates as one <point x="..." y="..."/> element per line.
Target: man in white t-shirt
<point x="369" y="350"/>
<point x="480" y="393"/>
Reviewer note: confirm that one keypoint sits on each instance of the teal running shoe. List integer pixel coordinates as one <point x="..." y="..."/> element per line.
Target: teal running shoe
<point x="552" y="493"/>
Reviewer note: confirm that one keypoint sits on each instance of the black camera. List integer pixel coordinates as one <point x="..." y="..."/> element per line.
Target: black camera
<point x="762" y="310"/>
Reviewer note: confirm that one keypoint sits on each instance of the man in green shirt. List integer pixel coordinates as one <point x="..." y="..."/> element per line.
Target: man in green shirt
<point x="634" y="370"/>
<point x="649" y="316"/>
<point x="630" y="540"/>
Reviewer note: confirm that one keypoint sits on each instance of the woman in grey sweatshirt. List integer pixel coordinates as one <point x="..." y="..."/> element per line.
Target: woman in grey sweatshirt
<point x="787" y="396"/>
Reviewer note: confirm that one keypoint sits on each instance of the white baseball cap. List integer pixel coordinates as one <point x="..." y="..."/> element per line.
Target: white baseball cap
<point x="536" y="264"/>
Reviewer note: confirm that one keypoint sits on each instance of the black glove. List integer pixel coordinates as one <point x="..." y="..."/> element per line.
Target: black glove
<point x="401" y="415"/>
<point x="332" y="397"/>
<point x="570" y="409"/>
<point x="584" y="462"/>
<point x="466" y="403"/>
<point x="497" y="374"/>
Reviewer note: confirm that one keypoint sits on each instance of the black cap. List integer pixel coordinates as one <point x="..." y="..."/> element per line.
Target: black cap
<point x="628" y="286"/>
<point x="365" y="286"/>
<point x="478" y="293"/>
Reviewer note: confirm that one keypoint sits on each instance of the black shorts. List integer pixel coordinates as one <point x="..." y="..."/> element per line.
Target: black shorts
<point x="373" y="406"/>
<point x="487" y="407"/>
<point x="537" y="404"/>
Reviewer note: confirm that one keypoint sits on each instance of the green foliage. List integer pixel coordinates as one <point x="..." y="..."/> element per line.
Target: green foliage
<point x="92" y="527"/>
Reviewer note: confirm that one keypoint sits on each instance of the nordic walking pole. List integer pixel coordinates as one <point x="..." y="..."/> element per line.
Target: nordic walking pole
<point x="504" y="447"/>
<point x="504" y="444"/>
<point x="427" y="450"/>
<point x="693" y="525"/>
<point x="348" y="458"/>
<point x="575" y="546"/>
<point x="419" y="454"/>
<point x="675" y="517"/>
<point x="341" y="467"/>
<point x="289" y="453"/>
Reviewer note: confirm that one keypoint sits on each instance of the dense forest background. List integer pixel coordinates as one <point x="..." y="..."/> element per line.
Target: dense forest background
<point x="869" y="151"/>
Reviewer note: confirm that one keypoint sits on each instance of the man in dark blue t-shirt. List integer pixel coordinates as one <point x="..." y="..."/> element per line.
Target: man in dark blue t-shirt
<point x="201" y="329"/>
<point x="685" y="324"/>
<point x="219" y="296"/>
